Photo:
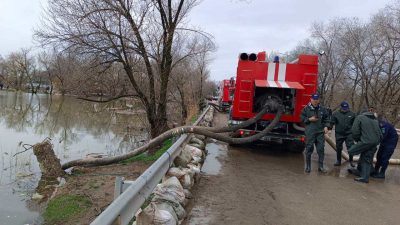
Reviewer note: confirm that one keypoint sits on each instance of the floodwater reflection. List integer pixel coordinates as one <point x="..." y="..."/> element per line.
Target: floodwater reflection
<point x="76" y="128"/>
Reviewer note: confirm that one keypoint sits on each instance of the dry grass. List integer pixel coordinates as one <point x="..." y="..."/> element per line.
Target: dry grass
<point x="193" y="110"/>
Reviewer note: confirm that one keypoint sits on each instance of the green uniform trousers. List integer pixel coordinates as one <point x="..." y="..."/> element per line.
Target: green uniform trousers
<point x="319" y="140"/>
<point x="340" y="139"/>
<point x="366" y="156"/>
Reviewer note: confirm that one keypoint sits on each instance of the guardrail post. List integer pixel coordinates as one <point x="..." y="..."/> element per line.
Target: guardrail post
<point x="118" y="187"/>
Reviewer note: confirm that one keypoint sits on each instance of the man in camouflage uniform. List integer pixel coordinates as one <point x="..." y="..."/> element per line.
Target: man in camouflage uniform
<point x="343" y="120"/>
<point x="316" y="119"/>
<point x="367" y="133"/>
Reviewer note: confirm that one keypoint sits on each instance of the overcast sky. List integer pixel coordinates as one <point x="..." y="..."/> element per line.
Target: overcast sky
<point x="270" y="25"/>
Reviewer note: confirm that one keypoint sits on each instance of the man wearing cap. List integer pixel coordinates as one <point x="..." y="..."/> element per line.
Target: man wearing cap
<point x="316" y="119"/>
<point x="367" y="133"/>
<point x="386" y="148"/>
<point x="343" y="120"/>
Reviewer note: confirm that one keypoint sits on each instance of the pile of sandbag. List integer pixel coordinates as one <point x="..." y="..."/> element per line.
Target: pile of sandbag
<point x="173" y="194"/>
<point x="206" y="122"/>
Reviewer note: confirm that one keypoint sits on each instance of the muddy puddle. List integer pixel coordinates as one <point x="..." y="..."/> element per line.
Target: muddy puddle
<point x="212" y="165"/>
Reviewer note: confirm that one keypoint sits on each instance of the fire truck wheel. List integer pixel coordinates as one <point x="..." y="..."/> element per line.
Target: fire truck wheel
<point x="295" y="146"/>
<point x="230" y="114"/>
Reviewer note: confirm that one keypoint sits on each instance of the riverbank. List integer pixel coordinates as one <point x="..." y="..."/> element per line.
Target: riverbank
<point x="89" y="190"/>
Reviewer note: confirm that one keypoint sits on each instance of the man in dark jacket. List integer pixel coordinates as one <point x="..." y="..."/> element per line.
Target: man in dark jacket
<point x="367" y="133"/>
<point x="386" y="148"/>
<point x="316" y="119"/>
<point x="343" y="120"/>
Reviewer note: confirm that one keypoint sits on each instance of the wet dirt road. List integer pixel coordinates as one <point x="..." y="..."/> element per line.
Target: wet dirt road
<point x="266" y="185"/>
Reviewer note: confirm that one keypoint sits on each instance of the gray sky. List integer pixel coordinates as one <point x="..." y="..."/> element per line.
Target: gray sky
<point x="270" y="25"/>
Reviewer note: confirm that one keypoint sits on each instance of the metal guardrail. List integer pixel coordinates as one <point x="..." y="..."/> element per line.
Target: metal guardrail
<point x="124" y="208"/>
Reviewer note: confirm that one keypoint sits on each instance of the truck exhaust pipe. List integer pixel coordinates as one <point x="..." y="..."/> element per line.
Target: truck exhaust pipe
<point x="253" y="57"/>
<point x="244" y="57"/>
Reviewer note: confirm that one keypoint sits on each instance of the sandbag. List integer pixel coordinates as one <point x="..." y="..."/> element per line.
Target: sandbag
<point x="197" y="160"/>
<point x="208" y="117"/>
<point x="166" y="203"/>
<point x="196" y="141"/>
<point x="196" y="168"/>
<point x="186" y="156"/>
<point x="176" y="172"/>
<point x="151" y="215"/>
<point x="170" y="187"/>
<point x="201" y="147"/>
<point x="186" y="182"/>
<point x="167" y="207"/>
<point x="193" y="151"/>
<point x="200" y="137"/>
<point x="188" y="195"/>
<point x="184" y="176"/>
<point x="180" y="161"/>
<point x="189" y="171"/>
<point x="165" y="177"/>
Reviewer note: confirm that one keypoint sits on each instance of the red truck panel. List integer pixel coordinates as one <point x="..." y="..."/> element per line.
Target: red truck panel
<point x="225" y="85"/>
<point x="301" y="76"/>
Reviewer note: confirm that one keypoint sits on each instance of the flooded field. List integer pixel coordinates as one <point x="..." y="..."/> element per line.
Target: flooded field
<point x="76" y="129"/>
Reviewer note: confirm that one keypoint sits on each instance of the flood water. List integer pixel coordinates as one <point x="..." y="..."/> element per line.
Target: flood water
<point x="76" y="128"/>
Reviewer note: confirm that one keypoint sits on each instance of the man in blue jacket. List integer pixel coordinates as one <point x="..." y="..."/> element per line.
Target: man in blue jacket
<point x="386" y="148"/>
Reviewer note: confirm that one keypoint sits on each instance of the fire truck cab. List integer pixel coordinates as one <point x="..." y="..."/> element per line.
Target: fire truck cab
<point x="260" y="83"/>
<point x="227" y="91"/>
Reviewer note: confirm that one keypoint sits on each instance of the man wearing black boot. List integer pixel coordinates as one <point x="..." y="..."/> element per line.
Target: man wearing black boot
<point x="316" y="119"/>
<point x="386" y="148"/>
<point x="358" y="170"/>
<point x="367" y="134"/>
<point x="343" y="120"/>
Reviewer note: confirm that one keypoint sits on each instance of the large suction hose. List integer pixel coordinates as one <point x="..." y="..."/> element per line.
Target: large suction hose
<point x="208" y="132"/>
<point x="346" y="156"/>
<point x="221" y="109"/>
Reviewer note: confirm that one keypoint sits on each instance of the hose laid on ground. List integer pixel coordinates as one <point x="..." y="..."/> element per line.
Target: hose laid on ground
<point x="221" y="109"/>
<point x="208" y="132"/>
<point x="241" y="125"/>
<point x="355" y="159"/>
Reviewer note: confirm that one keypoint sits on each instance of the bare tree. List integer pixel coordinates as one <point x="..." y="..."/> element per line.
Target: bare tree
<point x="361" y="61"/>
<point x="138" y="34"/>
<point x="46" y="61"/>
<point x="26" y="64"/>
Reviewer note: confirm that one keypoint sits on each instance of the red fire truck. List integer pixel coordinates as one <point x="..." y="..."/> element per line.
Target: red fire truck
<point x="227" y="91"/>
<point x="260" y="83"/>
